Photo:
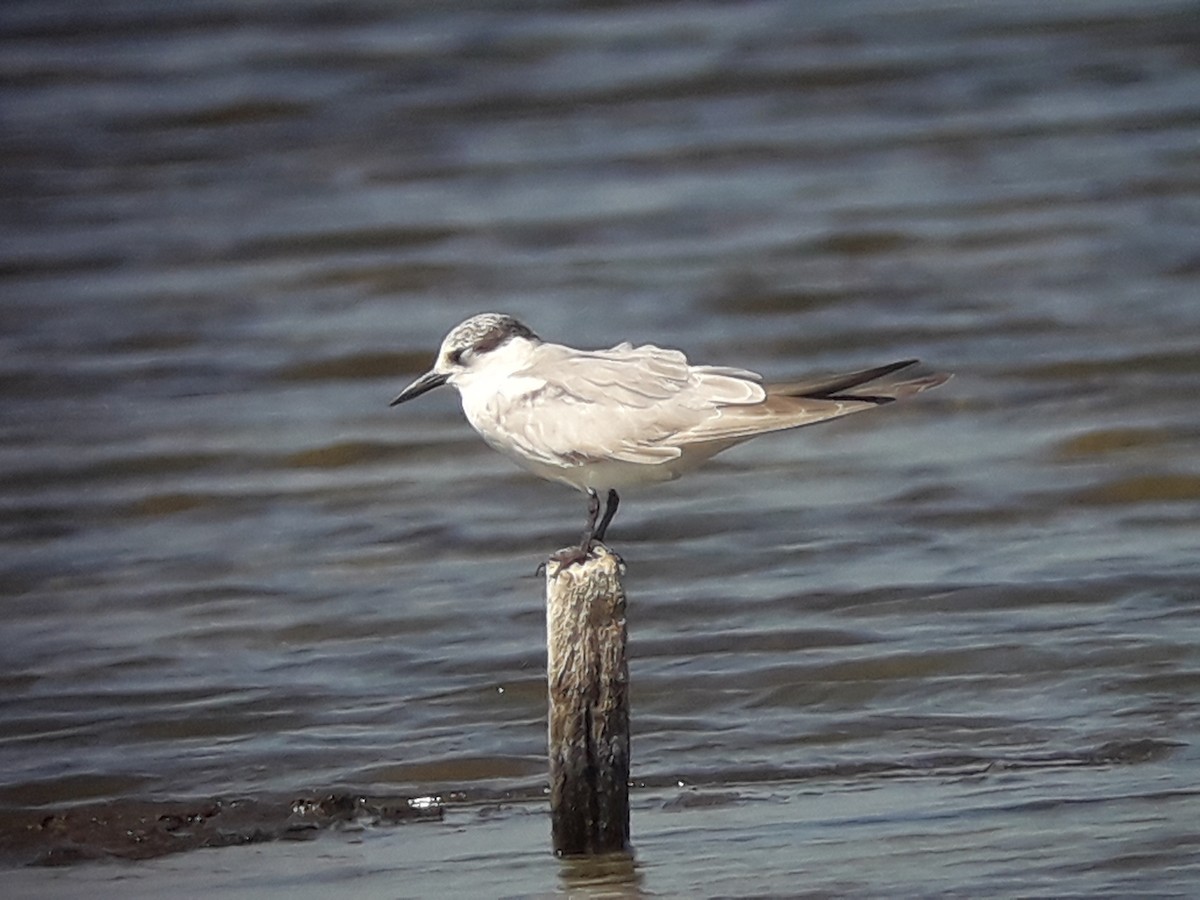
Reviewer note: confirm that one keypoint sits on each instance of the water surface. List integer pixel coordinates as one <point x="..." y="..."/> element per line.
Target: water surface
<point x="948" y="647"/>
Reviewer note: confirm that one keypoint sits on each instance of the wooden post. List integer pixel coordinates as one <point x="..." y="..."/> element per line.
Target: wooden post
<point x="589" y="705"/>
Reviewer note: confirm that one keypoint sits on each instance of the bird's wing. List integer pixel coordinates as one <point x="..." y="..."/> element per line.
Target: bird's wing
<point x="627" y="403"/>
<point x="645" y="404"/>
<point x="794" y="404"/>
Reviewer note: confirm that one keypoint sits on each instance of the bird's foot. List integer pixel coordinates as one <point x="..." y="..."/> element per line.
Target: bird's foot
<point x="569" y="556"/>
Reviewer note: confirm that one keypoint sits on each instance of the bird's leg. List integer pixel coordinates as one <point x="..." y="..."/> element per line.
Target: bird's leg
<point x="585" y="543"/>
<point x="610" y="510"/>
<point x="580" y="553"/>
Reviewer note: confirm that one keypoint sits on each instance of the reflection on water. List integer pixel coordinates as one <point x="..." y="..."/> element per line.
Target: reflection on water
<point x="960" y="630"/>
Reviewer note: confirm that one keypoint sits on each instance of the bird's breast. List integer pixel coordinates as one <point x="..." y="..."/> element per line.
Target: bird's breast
<point x="488" y="402"/>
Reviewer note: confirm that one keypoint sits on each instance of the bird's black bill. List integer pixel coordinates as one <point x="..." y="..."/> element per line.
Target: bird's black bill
<point x="426" y="382"/>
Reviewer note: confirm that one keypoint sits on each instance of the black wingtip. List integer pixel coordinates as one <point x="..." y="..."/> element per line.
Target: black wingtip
<point x="833" y="389"/>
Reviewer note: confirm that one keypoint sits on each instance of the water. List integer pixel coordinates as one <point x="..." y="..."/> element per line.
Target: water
<point x="949" y="647"/>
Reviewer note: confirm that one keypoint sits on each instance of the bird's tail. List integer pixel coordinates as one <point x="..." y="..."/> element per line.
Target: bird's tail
<point x="795" y="404"/>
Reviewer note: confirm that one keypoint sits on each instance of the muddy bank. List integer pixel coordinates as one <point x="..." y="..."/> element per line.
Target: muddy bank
<point x="133" y="829"/>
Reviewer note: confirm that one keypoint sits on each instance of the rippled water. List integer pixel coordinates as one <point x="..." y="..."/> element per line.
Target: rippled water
<point x="947" y="647"/>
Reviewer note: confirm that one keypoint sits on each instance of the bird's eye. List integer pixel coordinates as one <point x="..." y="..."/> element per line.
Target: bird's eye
<point x="461" y="356"/>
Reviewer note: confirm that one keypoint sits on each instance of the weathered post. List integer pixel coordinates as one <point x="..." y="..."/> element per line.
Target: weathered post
<point x="589" y="705"/>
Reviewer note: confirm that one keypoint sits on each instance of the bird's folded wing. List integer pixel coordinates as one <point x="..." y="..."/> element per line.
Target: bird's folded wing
<point x="644" y="404"/>
<point x="795" y="404"/>
<point x="627" y="403"/>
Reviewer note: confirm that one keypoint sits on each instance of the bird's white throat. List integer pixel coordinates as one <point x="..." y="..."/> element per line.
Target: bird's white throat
<point x="492" y="379"/>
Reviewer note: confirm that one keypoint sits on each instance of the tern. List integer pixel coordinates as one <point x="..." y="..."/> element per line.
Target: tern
<point x="599" y="420"/>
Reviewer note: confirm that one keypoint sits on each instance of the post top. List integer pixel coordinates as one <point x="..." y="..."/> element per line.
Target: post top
<point x="600" y="560"/>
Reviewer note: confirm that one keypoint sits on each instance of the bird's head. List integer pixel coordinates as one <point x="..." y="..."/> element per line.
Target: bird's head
<point x="467" y="344"/>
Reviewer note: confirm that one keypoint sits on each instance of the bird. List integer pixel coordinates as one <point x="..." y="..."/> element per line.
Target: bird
<point x="603" y="420"/>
